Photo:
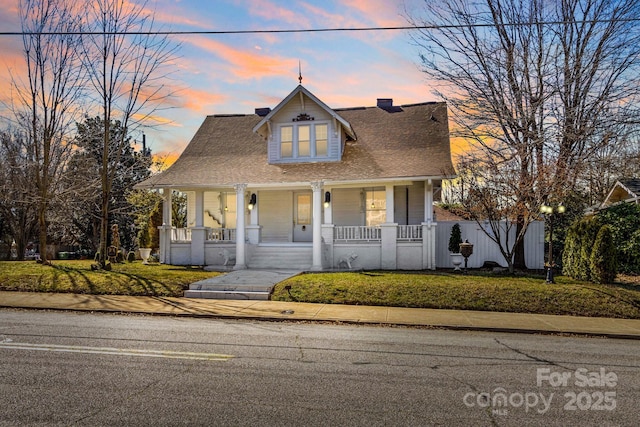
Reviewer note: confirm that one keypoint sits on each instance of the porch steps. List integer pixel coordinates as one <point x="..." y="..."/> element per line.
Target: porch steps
<point x="225" y="292"/>
<point x="239" y="285"/>
<point x="290" y="257"/>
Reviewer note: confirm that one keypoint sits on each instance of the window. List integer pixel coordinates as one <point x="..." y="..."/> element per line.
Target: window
<point x="304" y="141"/>
<point x="375" y="206"/>
<point x="321" y="140"/>
<point x="286" y="141"/>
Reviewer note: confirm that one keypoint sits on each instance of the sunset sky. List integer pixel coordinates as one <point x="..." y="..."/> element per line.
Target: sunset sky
<point x="223" y="74"/>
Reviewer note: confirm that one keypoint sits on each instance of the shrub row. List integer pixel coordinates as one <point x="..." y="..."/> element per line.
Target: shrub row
<point x="590" y="251"/>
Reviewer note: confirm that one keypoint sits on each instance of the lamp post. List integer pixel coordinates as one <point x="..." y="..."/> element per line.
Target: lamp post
<point x="549" y="213"/>
<point x="466" y="249"/>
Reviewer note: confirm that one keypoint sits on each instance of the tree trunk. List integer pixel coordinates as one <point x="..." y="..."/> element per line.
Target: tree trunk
<point x="42" y="225"/>
<point x="519" y="260"/>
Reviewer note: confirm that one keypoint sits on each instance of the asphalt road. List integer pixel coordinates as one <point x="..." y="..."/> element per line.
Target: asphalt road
<point x="96" y="369"/>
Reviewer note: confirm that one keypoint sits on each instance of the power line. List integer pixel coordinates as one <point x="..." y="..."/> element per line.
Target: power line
<point x="312" y="30"/>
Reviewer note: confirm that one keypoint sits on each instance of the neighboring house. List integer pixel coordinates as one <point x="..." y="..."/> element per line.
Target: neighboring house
<point x="623" y="191"/>
<point x="306" y="186"/>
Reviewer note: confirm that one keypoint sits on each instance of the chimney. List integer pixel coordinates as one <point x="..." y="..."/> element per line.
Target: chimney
<point x="385" y="102"/>
<point x="263" y="111"/>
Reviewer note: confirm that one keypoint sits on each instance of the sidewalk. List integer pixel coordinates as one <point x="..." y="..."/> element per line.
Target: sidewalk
<point x="279" y="310"/>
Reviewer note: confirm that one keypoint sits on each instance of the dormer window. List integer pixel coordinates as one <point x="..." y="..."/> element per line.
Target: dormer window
<point x="304" y="140"/>
<point x="303" y="129"/>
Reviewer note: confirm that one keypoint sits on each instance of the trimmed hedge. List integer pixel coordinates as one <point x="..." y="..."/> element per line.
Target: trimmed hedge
<point x="624" y="220"/>
<point x="603" y="257"/>
<point x="581" y="237"/>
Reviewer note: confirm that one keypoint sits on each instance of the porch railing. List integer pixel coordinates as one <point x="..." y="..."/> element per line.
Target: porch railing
<point x="213" y="234"/>
<point x="409" y="233"/>
<point x="357" y="233"/>
<point x="222" y="234"/>
<point x="181" y="235"/>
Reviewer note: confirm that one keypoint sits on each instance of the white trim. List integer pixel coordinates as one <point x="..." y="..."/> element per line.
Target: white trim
<point x="302" y="90"/>
<point x="405" y="180"/>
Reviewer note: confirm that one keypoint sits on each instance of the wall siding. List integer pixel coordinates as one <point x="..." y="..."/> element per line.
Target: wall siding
<point x="276" y="215"/>
<point x="347" y="206"/>
<point x="415" y="208"/>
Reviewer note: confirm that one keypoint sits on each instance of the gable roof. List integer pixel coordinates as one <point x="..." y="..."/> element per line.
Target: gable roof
<point x="409" y="141"/>
<point x="623" y="190"/>
<point x="302" y="90"/>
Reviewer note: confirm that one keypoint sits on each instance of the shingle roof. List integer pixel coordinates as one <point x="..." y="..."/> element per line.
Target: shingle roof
<point x="632" y="185"/>
<point x="401" y="142"/>
<point x="623" y="190"/>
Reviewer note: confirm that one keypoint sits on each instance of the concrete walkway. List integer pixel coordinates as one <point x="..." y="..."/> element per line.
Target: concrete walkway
<point x="277" y="310"/>
<point x="239" y="284"/>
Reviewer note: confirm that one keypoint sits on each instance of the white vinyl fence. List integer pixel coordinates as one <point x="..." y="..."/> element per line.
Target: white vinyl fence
<point x="484" y="249"/>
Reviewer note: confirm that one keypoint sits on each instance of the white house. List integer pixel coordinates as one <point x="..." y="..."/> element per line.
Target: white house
<point x="306" y="186"/>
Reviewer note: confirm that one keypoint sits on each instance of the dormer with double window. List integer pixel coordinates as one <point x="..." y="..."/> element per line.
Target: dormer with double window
<point x="302" y="129"/>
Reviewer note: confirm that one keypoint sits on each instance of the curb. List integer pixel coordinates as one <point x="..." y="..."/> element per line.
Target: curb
<point x="336" y="321"/>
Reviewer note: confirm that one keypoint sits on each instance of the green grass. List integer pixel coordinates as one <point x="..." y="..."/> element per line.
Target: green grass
<point x="465" y="292"/>
<point x="445" y="290"/>
<point x="77" y="277"/>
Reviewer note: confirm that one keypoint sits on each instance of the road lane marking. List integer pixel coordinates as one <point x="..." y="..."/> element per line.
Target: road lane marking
<point x="117" y="351"/>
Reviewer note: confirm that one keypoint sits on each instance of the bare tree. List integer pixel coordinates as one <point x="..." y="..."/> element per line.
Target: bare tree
<point x="527" y="84"/>
<point x="45" y="102"/>
<point x="17" y="210"/>
<point x="618" y="157"/>
<point x="125" y="61"/>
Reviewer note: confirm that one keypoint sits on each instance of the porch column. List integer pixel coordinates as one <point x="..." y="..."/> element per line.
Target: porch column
<point x="166" y="206"/>
<point x="428" y="201"/>
<point x="199" y="232"/>
<point x="428" y="229"/>
<point x="327" y="229"/>
<point x="165" y="228"/>
<point x="389" y="233"/>
<point x="199" y="208"/>
<point x="317" y="226"/>
<point x="240" y="224"/>
<point x="390" y="201"/>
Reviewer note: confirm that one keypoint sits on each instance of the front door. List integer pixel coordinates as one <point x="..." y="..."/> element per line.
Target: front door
<point x="302" y="216"/>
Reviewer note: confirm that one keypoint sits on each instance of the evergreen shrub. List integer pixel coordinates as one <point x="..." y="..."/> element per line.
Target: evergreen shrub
<point x="603" y="257"/>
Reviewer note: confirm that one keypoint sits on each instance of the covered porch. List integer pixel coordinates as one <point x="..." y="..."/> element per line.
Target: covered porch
<point x="314" y="226"/>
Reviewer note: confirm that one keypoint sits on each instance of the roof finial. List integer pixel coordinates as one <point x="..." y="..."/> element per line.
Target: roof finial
<point x="299" y="72"/>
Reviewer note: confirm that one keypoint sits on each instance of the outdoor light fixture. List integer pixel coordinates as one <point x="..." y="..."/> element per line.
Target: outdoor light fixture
<point x="327" y="199"/>
<point x="549" y="213"/>
<point x="252" y="201"/>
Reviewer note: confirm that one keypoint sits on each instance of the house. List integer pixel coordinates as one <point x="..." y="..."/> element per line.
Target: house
<point x="306" y="186"/>
<point x="623" y="191"/>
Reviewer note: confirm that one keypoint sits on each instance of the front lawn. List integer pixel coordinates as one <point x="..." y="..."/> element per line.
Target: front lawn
<point x="465" y="292"/>
<point x="442" y="289"/>
<point x="125" y="278"/>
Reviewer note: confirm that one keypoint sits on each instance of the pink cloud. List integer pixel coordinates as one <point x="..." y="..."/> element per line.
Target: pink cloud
<point x="382" y="13"/>
<point x="273" y="12"/>
<point x="244" y="64"/>
<point x="326" y="18"/>
<point x="201" y="101"/>
<point x="173" y="14"/>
